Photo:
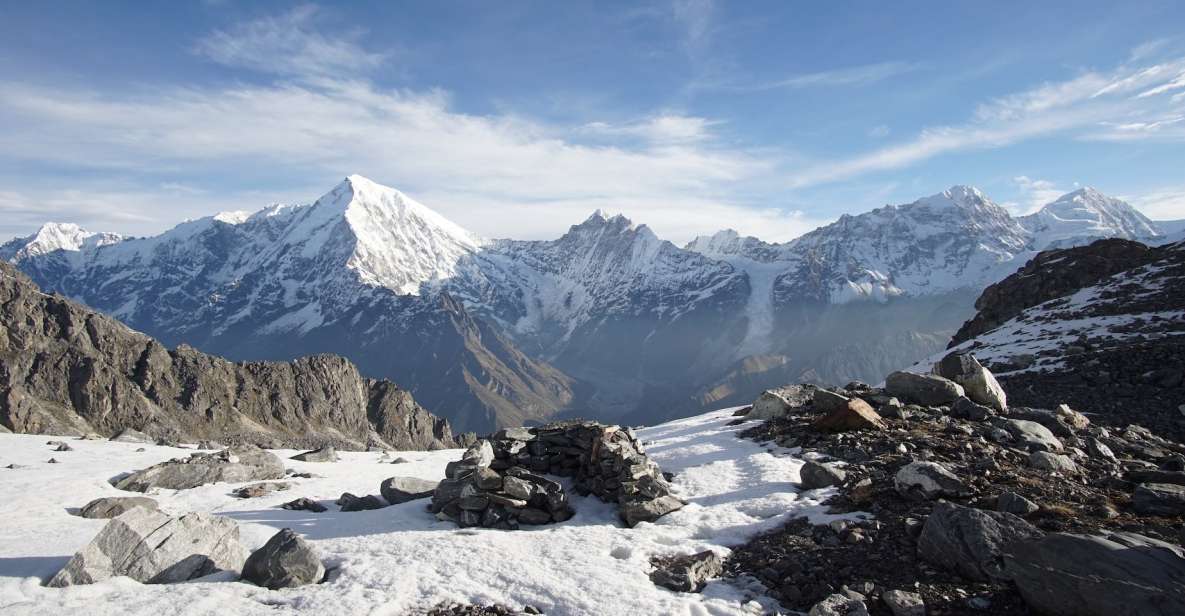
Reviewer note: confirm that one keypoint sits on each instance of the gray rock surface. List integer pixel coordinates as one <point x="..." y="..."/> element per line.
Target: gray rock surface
<point x="114" y="506"/>
<point x="687" y="573"/>
<point x="817" y="475"/>
<point x="904" y="603"/>
<point x="978" y="382"/>
<point x="304" y="504"/>
<point x="839" y="605"/>
<point x="323" y="454"/>
<point x="970" y="541"/>
<point x="1159" y="499"/>
<point x="1011" y="502"/>
<point x="236" y="464"/>
<point x="826" y="401"/>
<point x="154" y="548"/>
<point x="781" y="401"/>
<point x="285" y="561"/>
<point x="1119" y="574"/>
<point x="1031" y="434"/>
<point x="397" y="490"/>
<point x="350" y="503"/>
<point x="129" y="435"/>
<point x="1054" y="462"/>
<point x="928" y="480"/>
<point x="924" y="389"/>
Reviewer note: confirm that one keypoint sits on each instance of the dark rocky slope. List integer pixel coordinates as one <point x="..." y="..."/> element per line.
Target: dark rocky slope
<point x="65" y="369"/>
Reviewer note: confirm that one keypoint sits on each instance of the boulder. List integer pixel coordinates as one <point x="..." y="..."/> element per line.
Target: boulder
<point x="967" y="409"/>
<point x="855" y="414"/>
<point x="827" y="401"/>
<point x="237" y="464"/>
<point x="304" y="504"/>
<point x="903" y="603"/>
<point x="1159" y="499"/>
<point x="285" y="561"/>
<point x="256" y="490"/>
<point x="1074" y="419"/>
<point x="928" y="480"/>
<point x="1098" y="449"/>
<point x="634" y="512"/>
<point x="816" y="475"/>
<point x="970" y="541"/>
<point x="324" y="454"/>
<point x="115" y="506"/>
<point x="978" y="382"/>
<point x="1011" y="502"/>
<point x="687" y="573"/>
<point x="348" y="502"/>
<point x="780" y="402"/>
<point x="1055" y="462"/>
<point x="133" y="436"/>
<point x="923" y="389"/>
<point x="1034" y="436"/>
<point x="839" y="605"/>
<point x="153" y="548"/>
<point x="396" y="490"/>
<point x="1118" y="574"/>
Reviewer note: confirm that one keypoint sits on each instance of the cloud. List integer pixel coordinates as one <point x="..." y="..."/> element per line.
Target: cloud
<point x="1166" y="203"/>
<point x="878" y="132"/>
<point x="852" y="76"/>
<point x="663" y="128"/>
<point x="1036" y="193"/>
<point x="287" y="44"/>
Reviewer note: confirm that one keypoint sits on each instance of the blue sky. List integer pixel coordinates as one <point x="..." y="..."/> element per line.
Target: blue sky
<point x="521" y="118"/>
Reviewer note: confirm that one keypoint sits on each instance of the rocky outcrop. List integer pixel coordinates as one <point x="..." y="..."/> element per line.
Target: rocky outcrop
<point x="237" y="464"/>
<point x="115" y="506"/>
<point x="396" y="490"/>
<point x="285" y="561"/>
<point x="65" y="369"/>
<point x="154" y="548"/>
<point x="924" y="389"/>
<point x="971" y="541"/>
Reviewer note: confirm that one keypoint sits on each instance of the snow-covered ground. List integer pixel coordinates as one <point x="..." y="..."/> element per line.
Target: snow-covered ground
<point x="401" y="558"/>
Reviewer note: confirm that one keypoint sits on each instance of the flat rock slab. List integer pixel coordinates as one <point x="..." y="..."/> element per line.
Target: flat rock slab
<point x="396" y="490"/>
<point x="237" y="464"/>
<point x="923" y="389"/>
<point x="154" y="548"/>
<point x="285" y="561"/>
<point x="115" y="506"/>
<point x="324" y="454"/>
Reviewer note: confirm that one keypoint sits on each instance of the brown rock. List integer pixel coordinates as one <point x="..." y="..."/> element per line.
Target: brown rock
<point x="856" y="415"/>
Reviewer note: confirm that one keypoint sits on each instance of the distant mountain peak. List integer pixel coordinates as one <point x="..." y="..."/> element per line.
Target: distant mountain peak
<point x="54" y="237"/>
<point x="1085" y="214"/>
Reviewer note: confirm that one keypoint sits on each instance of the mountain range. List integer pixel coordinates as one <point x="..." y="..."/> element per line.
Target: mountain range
<point x="608" y="320"/>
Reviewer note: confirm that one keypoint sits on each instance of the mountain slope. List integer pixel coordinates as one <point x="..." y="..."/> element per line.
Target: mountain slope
<point x="1084" y="215"/>
<point x="66" y="370"/>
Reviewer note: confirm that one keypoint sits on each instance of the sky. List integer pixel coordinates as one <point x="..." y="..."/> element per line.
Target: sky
<point x="520" y="118"/>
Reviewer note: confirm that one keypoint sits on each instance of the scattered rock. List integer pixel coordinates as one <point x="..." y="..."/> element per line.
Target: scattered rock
<point x="781" y="402"/>
<point x="1033" y="435"/>
<point x="1080" y="575"/>
<point x="1043" y="460"/>
<point x="285" y="561"/>
<point x="978" y="382"/>
<point x="63" y="447"/>
<point x="115" y="506"/>
<point x="256" y="490"/>
<point x="235" y="465"/>
<point x="928" y="480"/>
<point x="350" y="503"/>
<point x="903" y="603"/>
<point x="687" y="573"/>
<point x="966" y="409"/>
<point x="304" y="504"/>
<point x="1159" y="499"/>
<point x="154" y="548"/>
<point x="969" y="541"/>
<point x="396" y="490"/>
<point x="635" y="512"/>
<point x="827" y="401"/>
<point x="816" y="475"/>
<point x="924" y="389"/>
<point x="1011" y="502"/>
<point x="855" y="414"/>
<point x="839" y="605"/>
<point x="324" y="454"/>
<point x="133" y="436"/>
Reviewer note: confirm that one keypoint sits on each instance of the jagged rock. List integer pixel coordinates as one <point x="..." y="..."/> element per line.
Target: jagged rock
<point x="115" y="506"/>
<point x="1056" y="462"/>
<point x="970" y="541"/>
<point x="817" y="475"/>
<point x="234" y="465"/>
<point x="978" y="382"/>
<point x="1118" y="574"/>
<point x="903" y="603"/>
<point x="304" y="504"/>
<point x="256" y="490"/>
<point x="1155" y="476"/>
<point x="1098" y="449"/>
<point x="1159" y="499"/>
<point x="1031" y="434"/>
<point x="636" y="512"/>
<point x="780" y="402"/>
<point x="153" y="548"/>
<point x="324" y="454"/>
<point x="396" y="490"/>
<point x="928" y="480"/>
<point x="1076" y="420"/>
<point x="687" y="573"/>
<point x="349" y="502"/>
<point x="827" y="401"/>
<point x="285" y="561"/>
<point x="856" y="414"/>
<point x="129" y="435"/>
<point x="839" y="605"/>
<point x="1011" y="502"/>
<point x="923" y="389"/>
<point x="965" y="408"/>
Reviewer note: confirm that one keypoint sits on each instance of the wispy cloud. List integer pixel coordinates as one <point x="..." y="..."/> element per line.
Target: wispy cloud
<point x="665" y="128"/>
<point x="1035" y="194"/>
<point x="1164" y="203"/>
<point x="851" y="76"/>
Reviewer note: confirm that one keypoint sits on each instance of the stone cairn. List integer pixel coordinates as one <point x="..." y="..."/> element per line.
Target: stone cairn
<point x="499" y="482"/>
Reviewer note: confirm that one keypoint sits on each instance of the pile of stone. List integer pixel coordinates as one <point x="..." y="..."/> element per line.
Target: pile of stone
<point x="499" y="482"/>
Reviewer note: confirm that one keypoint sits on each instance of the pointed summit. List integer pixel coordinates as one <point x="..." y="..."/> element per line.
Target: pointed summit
<point x="1083" y="215"/>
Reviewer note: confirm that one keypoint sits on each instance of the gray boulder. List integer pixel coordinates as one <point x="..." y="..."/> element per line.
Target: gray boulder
<point x="238" y="464"/>
<point x="1119" y="574"/>
<point x="978" y="382"/>
<point x="1159" y="499"/>
<point x="923" y="389"/>
<point x="1053" y="462"/>
<point x="1034" y="436"/>
<point x="780" y="402"/>
<point x="133" y="436"/>
<point x="304" y="504"/>
<point x="1011" y="502"/>
<point x="351" y="503"/>
<point x="826" y="401"/>
<point x="635" y="511"/>
<point x="903" y="603"/>
<point x="967" y="409"/>
<point x="688" y="573"/>
<point x="285" y="561"/>
<point x="970" y="541"/>
<point x="397" y="490"/>
<point x="928" y="480"/>
<point x="324" y="454"/>
<point x="154" y="548"/>
<point x="839" y="605"/>
<point x="816" y="475"/>
<point x="115" y="506"/>
<point x="256" y="490"/>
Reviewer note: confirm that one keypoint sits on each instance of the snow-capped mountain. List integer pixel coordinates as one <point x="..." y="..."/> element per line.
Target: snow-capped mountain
<point x="492" y="332"/>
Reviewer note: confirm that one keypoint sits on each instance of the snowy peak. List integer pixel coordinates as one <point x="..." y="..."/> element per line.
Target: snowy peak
<point x="53" y="237"/>
<point x="1086" y="214"/>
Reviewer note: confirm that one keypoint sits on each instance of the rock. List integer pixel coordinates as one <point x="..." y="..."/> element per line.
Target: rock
<point x="856" y="414"/>
<point x="1159" y="499"/>
<point x="285" y="561"/>
<point x="400" y="460"/>
<point x="892" y="408"/>
<point x="63" y="447"/>
<point x="965" y="408"/>
<point x="349" y="502"/>
<point x="1118" y="574"/>
<point x="153" y="548"/>
<point x="114" y="506"/>
<point x="256" y="490"/>
<point x="210" y="446"/>
<point x="304" y="504"/>
<point x="827" y="401"/>
<point x="1098" y="449"/>
<point x="687" y="573"/>
<point x="133" y="436"/>
<point x="978" y="382"/>
<point x="816" y="475"/>
<point x="1056" y="462"/>
<point x="324" y="454"/>
<point x="1155" y="476"/>
<point x="1011" y="502"/>
<point x="1034" y="436"/>
<point x="970" y="541"/>
<point x="923" y="389"/>
<point x="839" y="605"/>
<point x="635" y="512"/>
<point x="903" y="603"/>
<point x="1072" y="418"/>
<point x="928" y="480"/>
<point x="780" y="402"/>
<point x="396" y="490"/>
<point x="237" y="464"/>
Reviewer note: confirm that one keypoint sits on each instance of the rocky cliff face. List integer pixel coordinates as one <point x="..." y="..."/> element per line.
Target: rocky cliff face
<point x="65" y="369"/>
